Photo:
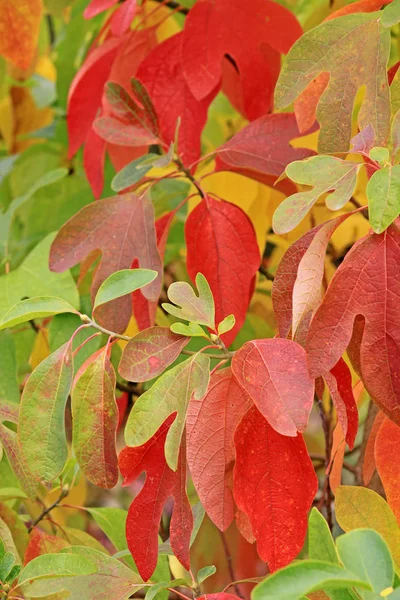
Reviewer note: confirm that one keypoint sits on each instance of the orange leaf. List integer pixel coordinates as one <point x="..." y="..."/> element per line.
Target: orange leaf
<point x="387" y="447"/>
<point x="19" y="30"/>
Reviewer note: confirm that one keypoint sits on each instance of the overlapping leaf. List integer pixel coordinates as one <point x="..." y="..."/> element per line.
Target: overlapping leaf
<point x="274" y="485"/>
<point x="366" y="284"/>
<point x="170" y="394"/>
<point x="146" y="510"/>
<point x="199" y="309"/>
<point x="274" y="374"/>
<point x="340" y="387"/>
<point x="211" y="424"/>
<point x="123" y="229"/>
<point x="95" y="420"/>
<point x="221" y="244"/>
<point x="387" y="445"/>
<point x="338" y="47"/>
<point x="383" y="192"/>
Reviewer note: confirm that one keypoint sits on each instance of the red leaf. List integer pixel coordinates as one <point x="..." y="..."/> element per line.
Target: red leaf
<point x="121" y="133"/>
<point x="369" y="464"/>
<point x="98" y="6"/>
<point x="275" y="375"/>
<point x="211" y="424"/>
<point x="341" y="390"/>
<point x="123" y="228"/>
<point x="218" y="596"/>
<point x="387" y="448"/>
<point x="162" y="74"/>
<point x="42" y="543"/>
<point x="122" y="403"/>
<point x="221" y="244"/>
<point x="146" y="509"/>
<point x="366" y="284"/>
<point x="262" y="147"/>
<point x="123" y="17"/>
<point x="244" y="34"/>
<point x="149" y="353"/>
<point x="86" y="92"/>
<point x="274" y="484"/>
<point x="93" y="161"/>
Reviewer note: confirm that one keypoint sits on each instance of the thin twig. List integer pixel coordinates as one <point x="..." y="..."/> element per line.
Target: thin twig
<point x="266" y="273"/>
<point x="230" y="563"/>
<point x="327" y="493"/>
<point x="64" y="493"/>
<point x="95" y="325"/>
<point x="189" y="175"/>
<point x="175" y="6"/>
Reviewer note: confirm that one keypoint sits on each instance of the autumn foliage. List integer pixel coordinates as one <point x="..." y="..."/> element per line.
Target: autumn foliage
<point x="199" y="299"/>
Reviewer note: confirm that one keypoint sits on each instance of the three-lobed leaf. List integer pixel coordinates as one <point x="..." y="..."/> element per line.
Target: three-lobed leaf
<point x="199" y="309"/>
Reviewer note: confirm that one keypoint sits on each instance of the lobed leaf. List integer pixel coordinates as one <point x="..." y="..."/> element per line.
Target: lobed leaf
<point x="199" y="309"/>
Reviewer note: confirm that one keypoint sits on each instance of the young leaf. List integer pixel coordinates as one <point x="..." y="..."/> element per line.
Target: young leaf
<point x="350" y="294"/>
<point x="199" y="309"/>
<point x="303" y="578"/>
<point x="338" y="47"/>
<point x="149" y="353"/>
<point x="367" y="555"/>
<point x="191" y="330"/>
<point x="205" y="573"/>
<point x="123" y="229"/>
<point x="340" y="387"/>
<point x="35" y="308"/>
<point x="387" y="445"/>
<point x="274" y="374"/>
<point x="383" y="190"/>
<point x="215" y="418"/>
<point x="95" y="420"/>
<point x="170" y="394"/>
<point x="360" y="507"/>
<point x="226" y="324"/>
<point x="20" y="20"/>
<point x="274" y="485"/>
<point x="323" y="174"/>
<point x="245" y="33"/>
<point x="146" y="510"/>
<point x="221" y="244"/>
<point x="133" y="172"/>
<point x="122" y="283"/>
<point x="41" y="426"/>
<point x="320" y="541"/>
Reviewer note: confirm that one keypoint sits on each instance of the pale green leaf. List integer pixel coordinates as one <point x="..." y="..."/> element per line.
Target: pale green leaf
<point x="112" y="521"/>
<point x="41" y="428"/>
<point x="379" y="154"/>
<point x="122" y="283"/>
<point x="56" y="565"/>
<point x="133" y="172"/>
<point x="191" y="330"/>
<point x="383" y="192"/>
<point x="11" y="493"/>
<point x="324" y="174"/>
<point x="320" y="541"/>
<point x="154" y="590"/>
<point x="226" y="324"/>
<point x="199" y="309"/>
<point x="35" y="308"/>
<point x="171" y="393"/>
<point x="205" y="573"/>
<point x="339" y="47"/>
<point x="304" y="577"/>
<point x="9" y="387"/>
<point x="391" y="14"/>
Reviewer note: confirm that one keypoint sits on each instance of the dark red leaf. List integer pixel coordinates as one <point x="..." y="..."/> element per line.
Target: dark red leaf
<point x="221" y="244"/>
<point x="274" y="374"/>
<point x="274" y="484"/>
<point x="340" y="387"/>
<point x="211" y="424"/>
<point x="146" y="509"/>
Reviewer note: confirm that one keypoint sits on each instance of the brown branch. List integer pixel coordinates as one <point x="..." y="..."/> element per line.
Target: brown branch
<point x="266" y="273"/>
<point x="64" y="493"/>
<point x="174" y="6"/>
<point x="228" y="557"/>
<point x="327" y="492"/>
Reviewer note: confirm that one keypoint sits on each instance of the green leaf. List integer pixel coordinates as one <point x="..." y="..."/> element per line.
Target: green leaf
<point x="9" y="387"/>
<point x="198" y="516"/>
<point x="35" y="308"/>
<point x="320" y="541"/>
<point x="8" y="542"/>
<point x="324" y="174"/>
<point x="56" y="565"/>
<point x="191" y="330"/>
<point x="170" y="393"/>
<point x="391" y="14"/>
<point x="383" y="192"/>
<point x="123" y="282"/>
<point x="379" y="154"/>
<point x="226" y="324"/>
<point x="41" y="428"/>
<point x="164" y="585"/>
<point x="205" y="573"/>
<point x="112" y="521"/>
<point x="33" y="278"/>
<point x="134" y="171"/>
<point x="365" y="553"/>
<point x="302" y="578"/>
<point x="199" y="309"/>
<point x="339" y="47"/>
<point x="11" y="493"/>
<point x="6" y="565"/>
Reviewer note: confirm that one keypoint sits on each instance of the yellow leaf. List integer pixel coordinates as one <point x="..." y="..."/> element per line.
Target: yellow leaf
<point x="7" y="121"/>
<point x="161" y="18"/>
<point x="361" y="507"/>
<point x="41" y="349"/>
<point x="131" y="330"/>
<point x="28" y="117"/>
<point x="19" y="30"/>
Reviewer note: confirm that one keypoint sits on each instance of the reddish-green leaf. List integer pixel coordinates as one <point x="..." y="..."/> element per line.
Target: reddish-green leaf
<point x="211" y="424"/>
<point x="262" y="33"/>
<point x="42" y="543"/>
<point x="387" y="447"/>
<point x="123" y="229"/>
<point x="221" y="244"/>
<point x="170" y="394"/>
<point x="274" y="485"/>
<point x="95" y="420"/>
<point x="146" y="510"/>
<point x="366" y="284"/>
<point x="41" y="426"/>
<point x="150" y="352"/>
<point x="275" y="375"/>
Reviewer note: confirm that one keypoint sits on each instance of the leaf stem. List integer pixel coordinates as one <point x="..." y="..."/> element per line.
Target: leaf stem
<point x="95" y="325"/>
<point x="228" y="557"/>
<point x="189" y="175"/>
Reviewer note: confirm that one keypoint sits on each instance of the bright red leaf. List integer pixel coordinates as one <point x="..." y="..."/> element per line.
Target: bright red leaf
<point x="221" y="244"/>
<point x="123" y="229"/>
<point x="274" y="374"/>
<point x="366" y="284"/>
<point x="340" y="387"/>
<point x="249" y="37"/>
<point x="274" y="484"/>
<point x="146" y="509"/>
<point x="211" y="424"/>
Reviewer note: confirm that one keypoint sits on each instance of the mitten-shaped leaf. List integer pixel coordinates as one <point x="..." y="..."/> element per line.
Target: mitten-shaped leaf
<point x="199" y="309"/>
